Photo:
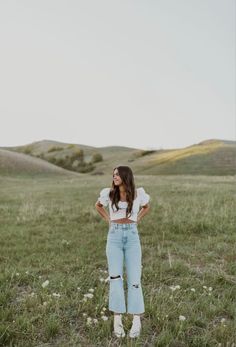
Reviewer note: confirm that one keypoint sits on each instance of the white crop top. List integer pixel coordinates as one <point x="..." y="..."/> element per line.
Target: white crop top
<point x="142" y="199"/>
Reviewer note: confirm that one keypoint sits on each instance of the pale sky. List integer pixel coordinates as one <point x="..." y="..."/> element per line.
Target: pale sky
<point x="143" y="74"/>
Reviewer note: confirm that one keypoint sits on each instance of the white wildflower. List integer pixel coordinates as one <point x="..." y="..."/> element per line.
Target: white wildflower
<point x="193" y="289"/>
<point x="65" y="242"/>
<point x="101" y="279"/>
<point x="95" y="320"/>
<point x="44" y="284"/>
<point x="91" y="290"/>
<point x="104" y="317"/>
<point x="84" y="314"/>
<point x="27" y="272"/>
<point x="45" y="303"/>
<point x="223" y="320"/>
<point x="107" y="279"/>
<point x="17" y="274"/>
<point x="182" y="318"/>
<point x="210" y="289"/>
<point x="104" y="308"/>
<point x="205" y="287"/>
<point x="56" y="295"/>
<point x="89" y="320"/>
<point x="174" y="287"/>
<point x="78" y="288"/>
<point x="88" y="295"/>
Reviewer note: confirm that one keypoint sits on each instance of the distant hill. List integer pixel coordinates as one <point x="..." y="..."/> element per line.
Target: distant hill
<point x="209" y="157"/>
<point x="12" y="163"/>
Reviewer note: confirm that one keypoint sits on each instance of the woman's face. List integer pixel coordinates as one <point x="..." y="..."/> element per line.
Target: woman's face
<point x="116" y="178"/>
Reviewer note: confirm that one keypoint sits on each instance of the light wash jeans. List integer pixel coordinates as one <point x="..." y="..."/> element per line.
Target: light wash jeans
<point x="123" y="242"/>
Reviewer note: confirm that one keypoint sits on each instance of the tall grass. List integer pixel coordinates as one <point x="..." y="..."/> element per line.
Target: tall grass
<point x="53" y="278"/>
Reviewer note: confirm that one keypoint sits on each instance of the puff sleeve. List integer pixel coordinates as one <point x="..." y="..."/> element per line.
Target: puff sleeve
<point x="104" y="196"/>
<point x="144" y="197"/>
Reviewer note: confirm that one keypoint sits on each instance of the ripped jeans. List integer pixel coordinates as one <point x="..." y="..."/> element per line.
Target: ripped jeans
<point x="123" y="243"/>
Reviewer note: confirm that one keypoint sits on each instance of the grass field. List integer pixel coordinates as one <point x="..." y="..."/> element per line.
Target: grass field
<point x="53" y="253"/>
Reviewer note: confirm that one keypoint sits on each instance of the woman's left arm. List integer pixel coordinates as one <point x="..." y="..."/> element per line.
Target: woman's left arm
<point x="144" y="210"/>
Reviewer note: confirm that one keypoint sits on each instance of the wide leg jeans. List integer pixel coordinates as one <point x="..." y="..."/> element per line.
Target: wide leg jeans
<point x="123" y="246"/>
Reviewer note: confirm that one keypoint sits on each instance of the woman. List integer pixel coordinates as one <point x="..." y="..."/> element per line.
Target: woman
<point x="123" y="242"/>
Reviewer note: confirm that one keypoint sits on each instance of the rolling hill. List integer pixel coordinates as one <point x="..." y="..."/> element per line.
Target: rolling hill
<point x="13" y="163"/>
<point x="210" y="157"/>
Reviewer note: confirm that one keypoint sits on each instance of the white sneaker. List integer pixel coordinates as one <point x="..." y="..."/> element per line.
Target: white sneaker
<point x="118" y="326"/>
<point x="136" y="327"/>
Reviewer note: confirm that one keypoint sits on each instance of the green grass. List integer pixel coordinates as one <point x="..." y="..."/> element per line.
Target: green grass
<point x="51" y="231"/>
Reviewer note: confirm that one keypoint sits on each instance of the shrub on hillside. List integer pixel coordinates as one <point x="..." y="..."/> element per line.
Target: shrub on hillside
<point x="55" y="149"/>
<point x="70" y="146"/>
<point x="77" y="155"/>
<point x="27" y="149"/>
<point x="141" y="153"/>
<point x="97" y="157"/>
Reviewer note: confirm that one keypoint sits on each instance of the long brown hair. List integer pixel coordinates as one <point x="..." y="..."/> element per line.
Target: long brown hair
<point x="127" y="178"/>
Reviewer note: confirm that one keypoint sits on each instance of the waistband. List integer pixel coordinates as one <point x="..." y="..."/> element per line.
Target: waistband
<point x="123" y="225"/>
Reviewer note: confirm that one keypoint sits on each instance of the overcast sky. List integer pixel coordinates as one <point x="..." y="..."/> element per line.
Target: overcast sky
<point x="144" y="74"/>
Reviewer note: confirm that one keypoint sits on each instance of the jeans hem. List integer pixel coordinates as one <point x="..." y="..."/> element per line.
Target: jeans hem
<point x="135" y="312"/>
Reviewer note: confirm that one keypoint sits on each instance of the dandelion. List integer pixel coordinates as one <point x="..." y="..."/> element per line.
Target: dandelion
<point x="182" y="318"/>
<point x="104" y="318"/>
<point x="193" y="289"/>
<point x="91" y="290"/>
<point x="45" y="284"/>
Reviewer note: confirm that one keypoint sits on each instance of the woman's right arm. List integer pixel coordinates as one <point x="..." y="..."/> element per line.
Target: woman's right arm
<point x="101" y="210"/>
